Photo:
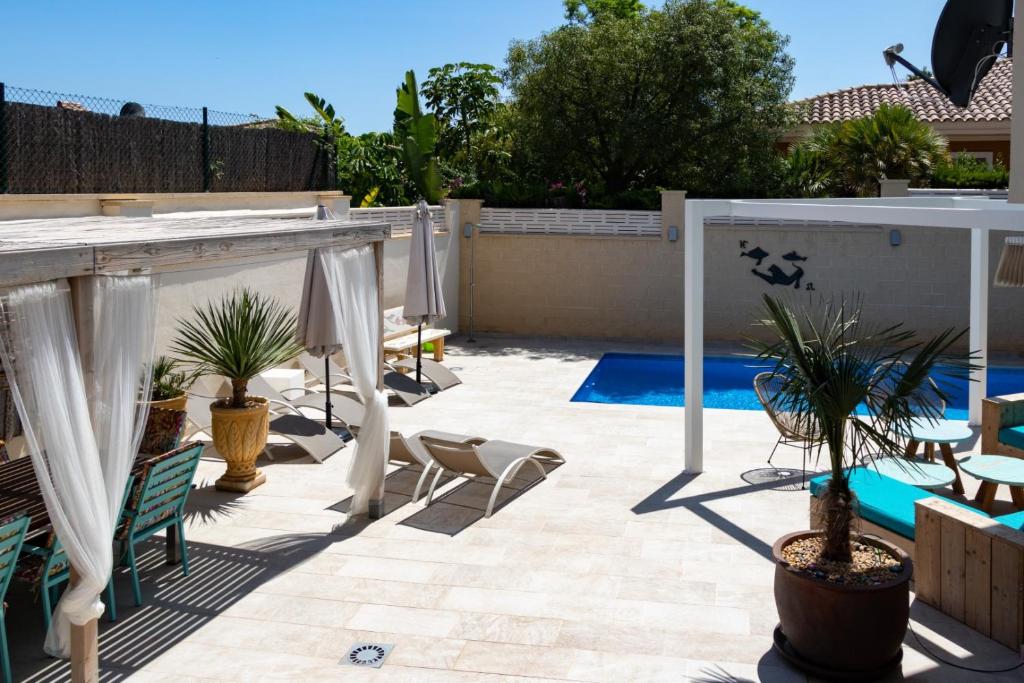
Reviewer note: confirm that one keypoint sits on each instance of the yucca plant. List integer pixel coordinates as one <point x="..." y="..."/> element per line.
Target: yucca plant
<point x="171" y="379"/>
<point x="850" y="383"/>
<point x="239" y="336"/>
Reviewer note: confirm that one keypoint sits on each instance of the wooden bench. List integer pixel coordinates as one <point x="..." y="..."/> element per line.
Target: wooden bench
<point x="970" y="568"/>
<point x="999" y="413"/>
<point x="404" y="345"/>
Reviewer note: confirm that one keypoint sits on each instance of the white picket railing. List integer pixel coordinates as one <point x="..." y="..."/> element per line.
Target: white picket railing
<point x="570" y="222"/>
<point x="400" y="217"/>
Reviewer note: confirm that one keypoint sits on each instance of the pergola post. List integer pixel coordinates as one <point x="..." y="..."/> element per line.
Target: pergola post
<point x="693" y="320"/>
<point x="978" y="389"/>
<point x="376" y="505"/>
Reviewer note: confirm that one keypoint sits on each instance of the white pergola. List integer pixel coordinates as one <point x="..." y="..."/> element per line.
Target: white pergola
<point x="957" y="213"/>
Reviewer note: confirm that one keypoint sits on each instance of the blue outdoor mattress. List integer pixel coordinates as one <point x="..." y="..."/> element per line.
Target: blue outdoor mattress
<point x="1012" y="436"/>
<point x="887" y="502"/>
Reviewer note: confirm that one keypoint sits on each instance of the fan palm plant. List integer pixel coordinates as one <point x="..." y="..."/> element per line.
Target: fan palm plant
<point x="834" y="366"/>
<point x="239" y="336"/>
<point x="170" y="379"/>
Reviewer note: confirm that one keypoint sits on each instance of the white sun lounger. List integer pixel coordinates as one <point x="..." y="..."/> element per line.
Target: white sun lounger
<point x="441" y="376"/>
<point x="308" y="434"/>
<point x="406" y="388"/>
<point x="498" y="460"/>
<point x="344" y="409"/>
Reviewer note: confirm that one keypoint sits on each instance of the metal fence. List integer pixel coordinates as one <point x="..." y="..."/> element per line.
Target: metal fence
<point x="61" y="143"/>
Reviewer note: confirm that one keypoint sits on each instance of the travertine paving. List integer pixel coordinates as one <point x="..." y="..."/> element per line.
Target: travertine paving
<point x="616" y="568"/>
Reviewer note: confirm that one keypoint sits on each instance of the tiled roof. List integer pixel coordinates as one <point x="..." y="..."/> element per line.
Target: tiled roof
<point x="991" y="102"/>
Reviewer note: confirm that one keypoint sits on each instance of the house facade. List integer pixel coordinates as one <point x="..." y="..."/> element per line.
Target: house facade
<point x="981" y="129"/>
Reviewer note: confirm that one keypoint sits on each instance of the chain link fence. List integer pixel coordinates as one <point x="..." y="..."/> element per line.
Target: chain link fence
<point x="61" y="143"/>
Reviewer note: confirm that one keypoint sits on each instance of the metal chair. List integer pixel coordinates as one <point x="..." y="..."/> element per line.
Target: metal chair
<point x="768" y="386"/>
<point x="12" y="535"/>
<point x="158" y="503"/>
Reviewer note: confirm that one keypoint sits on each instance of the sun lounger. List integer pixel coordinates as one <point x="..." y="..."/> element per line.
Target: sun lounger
<point x="308" y="434"/>
<point x="498" y="460"/>
<point x="406" y="388"/>
<point x="441" y="376"/>
<point x="344" y="408"/>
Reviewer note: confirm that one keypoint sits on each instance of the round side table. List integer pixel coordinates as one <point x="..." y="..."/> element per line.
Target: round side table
<point x="941" y="432"/>
<point x="994" y="470"/>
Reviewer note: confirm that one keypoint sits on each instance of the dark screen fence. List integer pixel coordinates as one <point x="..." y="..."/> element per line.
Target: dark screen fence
<point x="58" y="143"/>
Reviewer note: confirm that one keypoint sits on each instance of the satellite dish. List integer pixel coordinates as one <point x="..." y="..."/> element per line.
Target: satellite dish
<point x="133" y="110"/>
<point x="969" y="37"/>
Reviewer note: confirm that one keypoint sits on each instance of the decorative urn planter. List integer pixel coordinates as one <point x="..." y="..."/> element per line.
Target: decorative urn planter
<point x="841" y="631"/>
<point x="240" y="435"/>
<point x="176" y="403"/>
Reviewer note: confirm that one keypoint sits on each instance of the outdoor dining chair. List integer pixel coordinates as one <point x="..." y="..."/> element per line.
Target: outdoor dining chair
<point x="12" y="535"/>
<point x="158" y="503"/>
<point x="768" y="386"/>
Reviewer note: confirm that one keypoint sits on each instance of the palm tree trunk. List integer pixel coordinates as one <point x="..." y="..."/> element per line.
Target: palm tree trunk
<point x="238" y="389"/>
<point x="837" y="509"/>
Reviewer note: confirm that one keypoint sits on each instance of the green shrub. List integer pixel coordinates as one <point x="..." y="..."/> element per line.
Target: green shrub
<point x="557" y="195"/>
<point x="967" y="172"/>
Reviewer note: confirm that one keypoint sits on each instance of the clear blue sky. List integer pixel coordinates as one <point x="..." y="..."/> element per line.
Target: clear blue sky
<point x="248" y="56"/>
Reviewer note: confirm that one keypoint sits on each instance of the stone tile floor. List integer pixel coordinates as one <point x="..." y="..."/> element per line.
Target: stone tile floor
<point x="616" y="568"/>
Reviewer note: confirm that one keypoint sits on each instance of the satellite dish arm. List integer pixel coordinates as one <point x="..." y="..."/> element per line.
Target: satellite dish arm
<point x="892" y="57"/>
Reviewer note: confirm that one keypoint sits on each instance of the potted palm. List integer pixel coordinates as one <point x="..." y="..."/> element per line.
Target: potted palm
<point x="842" y="597"/>
<point x="238" y="337"/>
<point x="170" y="384"/>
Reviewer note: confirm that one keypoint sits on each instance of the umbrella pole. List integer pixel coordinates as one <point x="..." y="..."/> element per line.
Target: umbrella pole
<point x="419" y="350"/>
<point x="327" y="374"/>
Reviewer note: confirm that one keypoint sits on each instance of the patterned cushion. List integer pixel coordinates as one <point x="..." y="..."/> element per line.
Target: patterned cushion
<point x="163" y="431"/>
<point x="394" y="322"/>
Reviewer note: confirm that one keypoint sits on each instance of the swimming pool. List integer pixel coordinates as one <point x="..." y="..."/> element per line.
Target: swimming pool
<point x="657" y="380"/>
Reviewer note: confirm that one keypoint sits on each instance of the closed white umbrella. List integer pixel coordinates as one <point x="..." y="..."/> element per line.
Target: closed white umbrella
<point x="424" y="300"/>
<point x="318" y="329"/>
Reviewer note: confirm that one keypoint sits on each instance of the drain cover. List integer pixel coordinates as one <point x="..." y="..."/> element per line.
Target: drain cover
<point x="367" y="654"/>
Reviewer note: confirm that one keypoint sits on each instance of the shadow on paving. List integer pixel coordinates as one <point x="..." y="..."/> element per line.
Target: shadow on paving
<point x="173" y="606"/>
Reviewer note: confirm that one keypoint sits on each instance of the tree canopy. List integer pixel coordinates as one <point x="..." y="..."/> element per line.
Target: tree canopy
<point x="692" y="95"/>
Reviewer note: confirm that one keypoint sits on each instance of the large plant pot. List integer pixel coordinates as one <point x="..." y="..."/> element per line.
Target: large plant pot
<point x="240" y="435"/>
<point x="176" y="403"/>
<point x="845" y="632"/>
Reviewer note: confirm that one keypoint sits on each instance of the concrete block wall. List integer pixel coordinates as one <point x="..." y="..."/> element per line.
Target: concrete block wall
<point x="632" y="288"/>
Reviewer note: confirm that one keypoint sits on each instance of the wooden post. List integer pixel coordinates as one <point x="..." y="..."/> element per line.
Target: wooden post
<point x="85" y="660"/>
<point x="377" y="505"/>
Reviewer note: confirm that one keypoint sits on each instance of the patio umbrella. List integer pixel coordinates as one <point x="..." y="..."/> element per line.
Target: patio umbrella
<point x="424" y="301"/>
<point x="1010" y="272"/>
<point x="318" y="331"/>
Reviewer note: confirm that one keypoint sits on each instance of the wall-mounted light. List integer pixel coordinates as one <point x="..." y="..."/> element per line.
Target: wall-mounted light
<point x="673" y="233"/>
<point x="895" y="238"/>
<point x="467" y="230"/>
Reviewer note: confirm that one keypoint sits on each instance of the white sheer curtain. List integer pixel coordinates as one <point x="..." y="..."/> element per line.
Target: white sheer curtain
<point x="351" y="276"/>
<point x="83" y="434"/>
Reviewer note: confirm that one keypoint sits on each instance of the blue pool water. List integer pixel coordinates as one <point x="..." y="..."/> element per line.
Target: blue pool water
<point x="657" y="380"/>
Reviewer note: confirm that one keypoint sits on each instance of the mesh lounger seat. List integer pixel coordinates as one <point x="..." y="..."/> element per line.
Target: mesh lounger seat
<point x="344" y="408"/>
<point x="498" y="460"/>
<point x="442" y="377"/>
<point x="406" y="388"/>
<point x="310" y="435"/>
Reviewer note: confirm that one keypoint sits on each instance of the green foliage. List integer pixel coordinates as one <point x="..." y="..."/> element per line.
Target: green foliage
<point x="559" y="195"/>
<point x="966" y="171"/>
<point x="170" y="379"/>
<point x="328" y="127"/>
<point x="416" y="137"/>
<point x="833" y="363"/>
<point x="692" y="95"/>
<point x="464" y="97"/>
<point x="851" y="158"/>
<point x="238" y="337"/>
<point x="370" y="169"/>
<point x="587" y="11"/>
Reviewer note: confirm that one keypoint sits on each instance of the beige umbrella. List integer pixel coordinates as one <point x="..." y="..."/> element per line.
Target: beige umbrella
<point x="1010" y="272"/>
<point x="318" y="330"/>
<point x="424" y="301"/>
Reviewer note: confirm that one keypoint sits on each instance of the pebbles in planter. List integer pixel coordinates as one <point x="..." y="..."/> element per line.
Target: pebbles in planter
<point x="870" y="566"/>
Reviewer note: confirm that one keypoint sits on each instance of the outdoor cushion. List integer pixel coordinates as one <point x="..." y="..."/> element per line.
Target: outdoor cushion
<point x="885" y="501"/>
<point x="1012" y="436"/>
<point x="1014" y="520"/>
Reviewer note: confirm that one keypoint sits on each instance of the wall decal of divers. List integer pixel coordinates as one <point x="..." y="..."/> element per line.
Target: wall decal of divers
<point x="757" y="253"/>
<point x="793" y="256"/>
<point x="777" y="276"/>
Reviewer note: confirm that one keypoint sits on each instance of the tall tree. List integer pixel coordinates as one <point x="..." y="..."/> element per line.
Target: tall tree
<point x="463" y="97"/>
<point x="692" y="95"/>
<point x="585" y="11"/>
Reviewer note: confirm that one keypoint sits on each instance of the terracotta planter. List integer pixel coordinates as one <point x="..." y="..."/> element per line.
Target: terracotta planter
<point x="842" y="629"/>
<point x="176" y="403"/>
<point x="239" y="435"/>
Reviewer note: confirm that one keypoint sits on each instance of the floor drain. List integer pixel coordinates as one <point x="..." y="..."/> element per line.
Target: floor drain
<point x="367" y="654"/>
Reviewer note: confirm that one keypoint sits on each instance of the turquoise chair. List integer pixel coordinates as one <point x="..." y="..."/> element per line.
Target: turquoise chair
<point x="12" y="535"/>
<point x="47" y="568"/>
<point x="158" y="503"/>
